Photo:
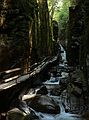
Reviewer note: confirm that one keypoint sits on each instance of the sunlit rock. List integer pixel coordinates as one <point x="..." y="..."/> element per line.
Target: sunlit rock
<point x="31" y="116"/>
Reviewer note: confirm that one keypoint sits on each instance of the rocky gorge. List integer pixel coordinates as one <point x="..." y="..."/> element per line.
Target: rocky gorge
<point x="59" y="98"/>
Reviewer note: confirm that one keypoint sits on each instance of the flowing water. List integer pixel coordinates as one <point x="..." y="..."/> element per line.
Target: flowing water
<point x="63" y="54"/>
<point x="53" y="82"/>
<point x="61" y="116"/>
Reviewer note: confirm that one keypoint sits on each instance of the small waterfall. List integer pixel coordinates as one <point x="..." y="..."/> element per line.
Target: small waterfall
<point x="63" y="54"/>
<point x="61" y="116"/>
<point x="50" y="84"/>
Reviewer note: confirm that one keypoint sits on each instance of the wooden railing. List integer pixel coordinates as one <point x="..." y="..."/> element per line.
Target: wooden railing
<point x="17" y="75"/>
<point x="15" y="82"/>
<point x="9" y="75"/>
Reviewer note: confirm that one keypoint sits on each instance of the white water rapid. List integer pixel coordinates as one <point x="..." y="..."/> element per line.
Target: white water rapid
<point x="52" y="82"/>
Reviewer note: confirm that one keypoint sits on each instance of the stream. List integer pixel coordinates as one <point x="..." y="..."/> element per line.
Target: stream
<point x="62" y="99"/>
<point x="52" y="83"/>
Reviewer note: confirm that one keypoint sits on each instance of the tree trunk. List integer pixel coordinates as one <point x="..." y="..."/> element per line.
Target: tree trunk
<point x="44" y="27"/>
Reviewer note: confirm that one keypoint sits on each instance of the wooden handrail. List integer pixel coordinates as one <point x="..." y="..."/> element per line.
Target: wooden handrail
<point x="13" y="70"/>
<point x="11" y="78"/>
<point x="5" y="75"/>
<point x="24" y="76"/>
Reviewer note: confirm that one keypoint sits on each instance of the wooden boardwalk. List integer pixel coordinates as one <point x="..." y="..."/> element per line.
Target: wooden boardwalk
<point x="12" y="87"/>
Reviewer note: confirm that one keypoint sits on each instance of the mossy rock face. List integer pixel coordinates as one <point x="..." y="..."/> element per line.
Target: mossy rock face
<point x="45" y="104"/>
<point x="14" y="30"/>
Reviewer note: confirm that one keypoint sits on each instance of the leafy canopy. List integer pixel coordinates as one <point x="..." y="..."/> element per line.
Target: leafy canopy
<point x="59" y="10"/>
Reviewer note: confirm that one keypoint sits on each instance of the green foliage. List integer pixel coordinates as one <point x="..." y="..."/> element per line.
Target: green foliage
<point x="60" y="11"/>
<point x="53" y="7"/>
<point x="64" y="14"/>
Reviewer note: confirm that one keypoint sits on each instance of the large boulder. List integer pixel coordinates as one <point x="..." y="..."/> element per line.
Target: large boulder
<point x="45" y="104"/>
<point x="15" y="114"/>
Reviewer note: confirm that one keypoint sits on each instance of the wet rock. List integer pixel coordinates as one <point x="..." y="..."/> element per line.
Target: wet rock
<point x="45" y="104"/>
<point x="54" y="71"/>
<point x="77" y="91"/>
<point x="15" y="114"/>
<point x="78" y="84"/>
<point x="63" y="81"/>
<point x="65" y="107"/>
<point x="21" y="105"/>
<point x="43" y="90"/>
<point x="56" y="91"/>
<point x="31" y="116"/>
